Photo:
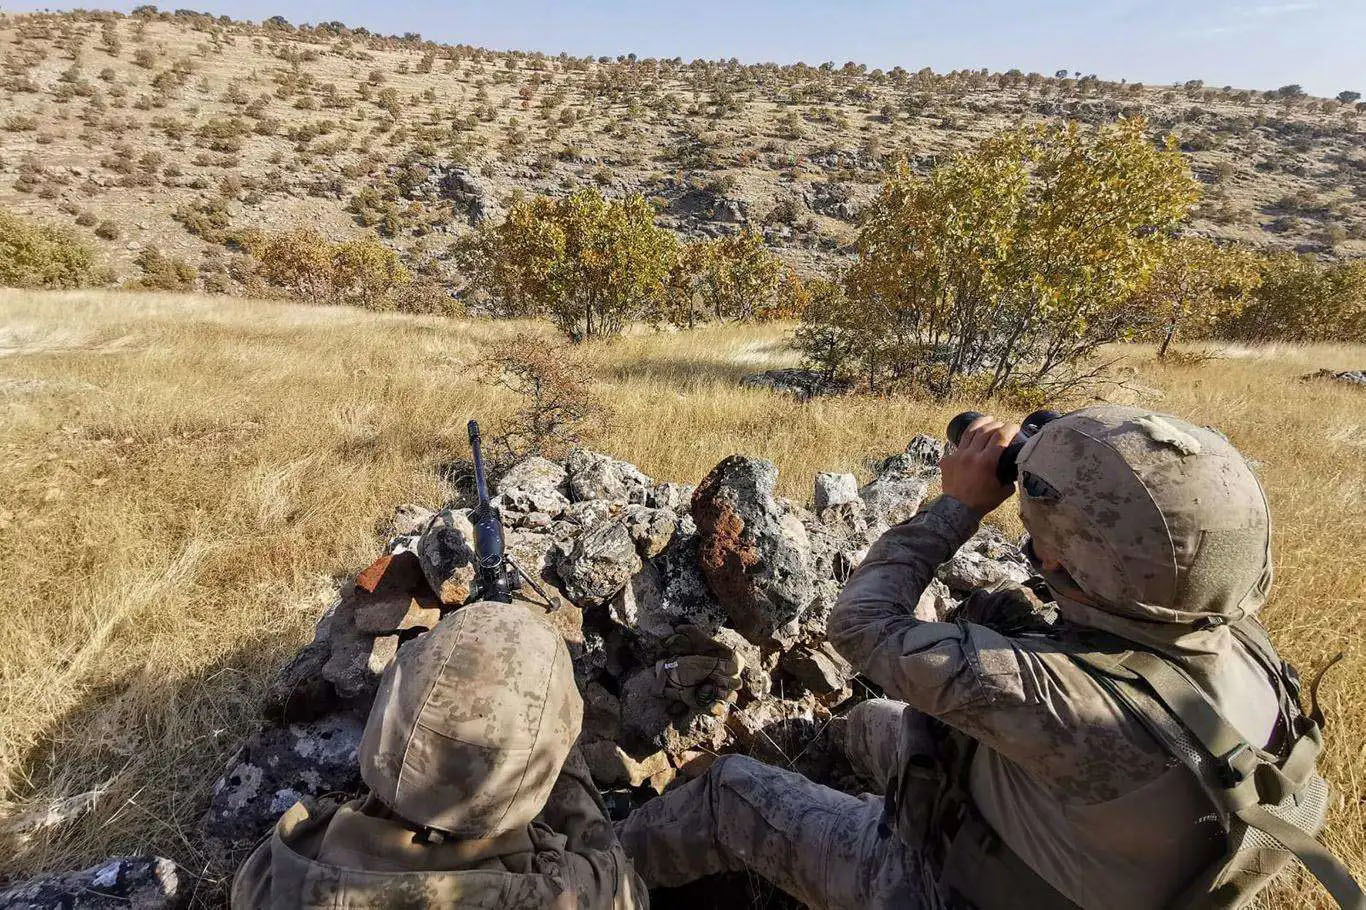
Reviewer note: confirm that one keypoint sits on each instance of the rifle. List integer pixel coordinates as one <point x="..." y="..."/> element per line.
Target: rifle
<point x="497" y="572"/>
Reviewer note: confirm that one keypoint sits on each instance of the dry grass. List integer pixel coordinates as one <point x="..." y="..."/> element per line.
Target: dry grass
<point x="185" y="477"/>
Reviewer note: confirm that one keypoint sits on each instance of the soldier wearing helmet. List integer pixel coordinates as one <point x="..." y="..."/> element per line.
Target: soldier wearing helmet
<point x="478" y="795"/>
<point x="1145" y="749"/>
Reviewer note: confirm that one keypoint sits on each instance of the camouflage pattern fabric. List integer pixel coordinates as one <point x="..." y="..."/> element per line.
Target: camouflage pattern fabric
<point x="819" y="845"/>
<point x="1066" y="776"/>
<point x="472" y="733"/>
<point x="473" y="721"/>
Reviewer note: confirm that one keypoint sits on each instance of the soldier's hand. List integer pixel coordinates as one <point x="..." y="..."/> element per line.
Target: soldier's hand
<point x="1011" y="610"/>
<point x="969" y="471"/>
<point x="703" y="676"/>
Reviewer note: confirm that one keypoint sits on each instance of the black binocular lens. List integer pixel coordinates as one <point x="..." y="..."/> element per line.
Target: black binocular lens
<point x="1006" y="469"/>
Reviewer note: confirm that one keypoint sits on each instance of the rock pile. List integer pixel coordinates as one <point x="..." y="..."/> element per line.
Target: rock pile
<point x="639" y="571"/>
<point x="1351" y="377"/>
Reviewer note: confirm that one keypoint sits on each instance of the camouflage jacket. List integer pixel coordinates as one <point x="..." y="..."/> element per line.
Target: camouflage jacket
<point x="1064" y="775"/>
<point x="360" y="856"/>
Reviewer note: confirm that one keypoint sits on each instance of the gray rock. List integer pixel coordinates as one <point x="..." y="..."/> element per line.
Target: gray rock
<point x="819" y="668"/>
<point x="802" y="383"/>
<point x="667" y="593"/>
<point x="534" y="484"/>
<point x="593" y="475"/>
<point x="651" y="529"/>
<point x="119" y="883"/>
<point x="926" y="450"/>
<point x="601" y="713"/>
<point x="600" y="563"/>
<point x="447" y="558"/>
<point x="971" y="568"/>
<point x="1351" y="377"/>
<point x="275" y="768"/>
<point x="753" y="551"/>
<point x="833" y="489"/>
<point x="676" y="496"/>
<point x="897" y="490"/>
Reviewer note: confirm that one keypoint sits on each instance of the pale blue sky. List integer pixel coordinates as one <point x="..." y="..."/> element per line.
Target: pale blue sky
<point x="1261" y="44"/>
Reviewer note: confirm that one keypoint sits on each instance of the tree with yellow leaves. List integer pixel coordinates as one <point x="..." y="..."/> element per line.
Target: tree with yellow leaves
<point x="1011" y="263"/>
<point x="592" y="265"/>
<point x="1195" y="284"/>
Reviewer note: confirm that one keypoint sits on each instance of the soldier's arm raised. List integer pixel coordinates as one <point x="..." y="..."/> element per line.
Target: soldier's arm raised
<point x="936" y="666"/>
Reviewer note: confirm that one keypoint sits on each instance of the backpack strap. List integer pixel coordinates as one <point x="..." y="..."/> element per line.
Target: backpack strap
<point x="1250" y="778"/>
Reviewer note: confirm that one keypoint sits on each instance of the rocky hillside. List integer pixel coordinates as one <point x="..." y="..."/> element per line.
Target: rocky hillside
<point x="636" y="571"/>
<point x="169" y="131"/>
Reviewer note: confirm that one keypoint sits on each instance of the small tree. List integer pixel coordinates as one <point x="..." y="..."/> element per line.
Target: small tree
<point x="556" y="404"/>
<point x="735" y="277"/>
<point x="589" y="264"/>
<point x="1197" y="283"/>
<point x="1014" y="262"/>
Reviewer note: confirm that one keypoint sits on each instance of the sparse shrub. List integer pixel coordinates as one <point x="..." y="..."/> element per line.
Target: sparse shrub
<point x="38" y="255"/>
<point x="361" y="272"/>
<point x="1302" y="300"/>
<point x="161" y="272"/>
<point x="1196" y="283"/>
<point x="556" y="406"/>
<point x="107" y="230"/>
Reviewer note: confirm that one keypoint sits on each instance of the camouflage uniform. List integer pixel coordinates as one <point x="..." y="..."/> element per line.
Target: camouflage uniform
<point x="1163" y="532"/>
<point x="478" y="794"/>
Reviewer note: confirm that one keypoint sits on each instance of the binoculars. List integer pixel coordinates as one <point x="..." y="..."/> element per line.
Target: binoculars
<point x="1006" y="469"/>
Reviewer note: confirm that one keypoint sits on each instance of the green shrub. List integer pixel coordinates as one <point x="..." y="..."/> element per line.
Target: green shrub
<point x="1303" y="300"/>
<point x="38" y="255"/>
<point x="361" y="272"/>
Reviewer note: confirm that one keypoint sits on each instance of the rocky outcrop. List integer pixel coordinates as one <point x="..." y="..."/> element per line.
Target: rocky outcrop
<point x="120" y="883"/>
<point x="801" y="383"/>
<point x="1351" y="377"/>
<point x="753" y="551"/>
<point x="637" y="571"/>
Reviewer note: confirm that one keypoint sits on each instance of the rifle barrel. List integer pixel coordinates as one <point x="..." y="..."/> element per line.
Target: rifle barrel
<point x="480" y="483"/>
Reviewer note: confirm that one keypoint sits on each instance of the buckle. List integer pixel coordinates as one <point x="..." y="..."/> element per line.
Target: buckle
<point x="1234" y="767"/>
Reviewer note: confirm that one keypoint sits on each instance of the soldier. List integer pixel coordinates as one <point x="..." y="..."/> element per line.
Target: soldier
<point x="478" y="794"/>
<point x="1145" y="750"/>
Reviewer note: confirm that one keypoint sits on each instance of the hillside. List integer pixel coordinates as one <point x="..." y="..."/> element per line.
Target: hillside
<point x="166" y="131"/>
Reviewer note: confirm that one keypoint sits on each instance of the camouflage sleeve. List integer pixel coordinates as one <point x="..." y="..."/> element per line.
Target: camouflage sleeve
<point x="939" y="668"/>
<point x="597" y="866"/>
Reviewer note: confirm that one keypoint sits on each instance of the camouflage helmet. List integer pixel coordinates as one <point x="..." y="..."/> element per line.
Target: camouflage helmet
<point x="473" y="722"/>
<point x="1160" y="526"/>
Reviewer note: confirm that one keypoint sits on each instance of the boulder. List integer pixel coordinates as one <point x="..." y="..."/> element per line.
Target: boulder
<point x="985" y="561"/>
<point x="753" y="552"/>
<point x="926" y="450"/>
<point x="276" y="767"/>
<point x="601" y="713"/>
<point x="833" y="489"/>
<point x="119" y="883"/>
<point x="801" y="383"/>
<point x="534" y="484"/>
<point x="667" y="593"/>
<point x="651" y="529"/>
<point x="820" y="668"/>
<point x="446" y="556"/>
<point x="676" y="496"/>
<point x="897" y="489"/>
<point x="600" y="563"/>
<point x="592" y="475"/>
<point x="1351" y="377"/>
<point x="612" y="766"/>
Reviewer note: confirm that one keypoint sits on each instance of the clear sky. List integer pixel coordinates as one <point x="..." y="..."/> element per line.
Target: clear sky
<point x="1260" y="44"/>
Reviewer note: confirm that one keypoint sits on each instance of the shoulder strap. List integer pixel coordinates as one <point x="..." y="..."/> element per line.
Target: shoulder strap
<point x="1249" y="779"/>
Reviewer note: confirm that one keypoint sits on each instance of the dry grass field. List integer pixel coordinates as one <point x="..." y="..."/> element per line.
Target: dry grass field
<point x="184" y="478"/>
